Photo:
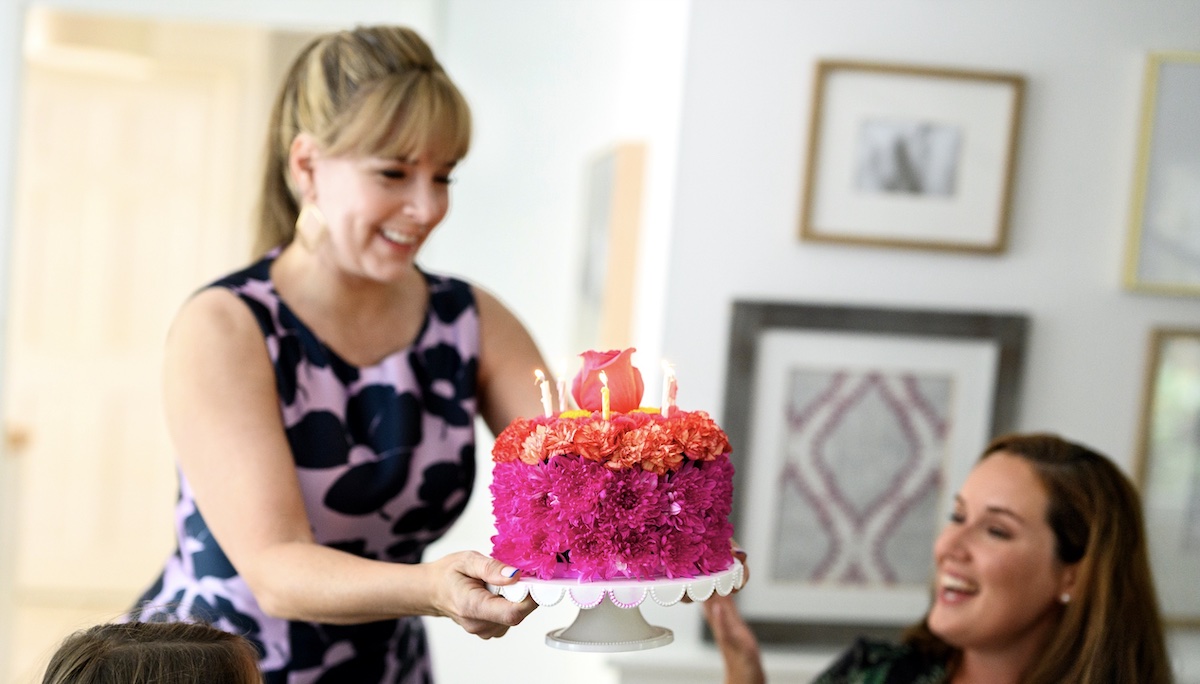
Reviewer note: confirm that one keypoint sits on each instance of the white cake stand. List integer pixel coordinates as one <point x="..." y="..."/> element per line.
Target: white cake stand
<point x="609" y="619"/>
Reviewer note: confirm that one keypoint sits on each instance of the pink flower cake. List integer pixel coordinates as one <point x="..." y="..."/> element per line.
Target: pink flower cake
<point x="638" y="495"/>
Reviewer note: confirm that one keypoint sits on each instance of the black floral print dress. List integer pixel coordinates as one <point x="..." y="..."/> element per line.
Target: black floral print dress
<point x="385" y="457"/>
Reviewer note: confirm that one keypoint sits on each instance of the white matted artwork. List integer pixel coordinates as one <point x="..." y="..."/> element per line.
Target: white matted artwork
<point x="1168" y="471"/>
<point x="864" y="441"/>
<point x="851" y="430"/>
<point x="906" y="156"/>
<point x="1163" y="256"/>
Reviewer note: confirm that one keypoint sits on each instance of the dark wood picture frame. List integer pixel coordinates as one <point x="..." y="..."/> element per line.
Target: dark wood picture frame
<point x="994" y="342"/>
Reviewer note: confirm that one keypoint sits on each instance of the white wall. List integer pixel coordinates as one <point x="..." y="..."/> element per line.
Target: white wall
<point x="743" y="142"/>
<point x="552" y="85"/>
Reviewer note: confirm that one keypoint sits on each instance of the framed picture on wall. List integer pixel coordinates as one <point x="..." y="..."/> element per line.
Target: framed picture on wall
<point x="608" y="260"/>
<point x="906" y="156"/>
<point x="1163" y="256"/>
<point x="1168" y="470"/>
<point x="851" y="429"/>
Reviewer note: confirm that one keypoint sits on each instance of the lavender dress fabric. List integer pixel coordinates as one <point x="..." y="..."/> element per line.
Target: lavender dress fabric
<point x="385" y="457"/>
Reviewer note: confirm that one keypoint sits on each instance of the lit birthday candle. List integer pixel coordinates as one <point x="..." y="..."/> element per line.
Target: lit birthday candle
<point x="547" y="405"/>
<point x="669" y="389"/>
<point x="604" y="405"/>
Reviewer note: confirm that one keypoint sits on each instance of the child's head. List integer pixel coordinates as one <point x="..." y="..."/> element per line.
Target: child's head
<point x="153" y="652"/>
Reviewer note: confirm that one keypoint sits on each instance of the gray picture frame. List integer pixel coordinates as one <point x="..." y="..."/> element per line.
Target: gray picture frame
<point x="837" y="616"/>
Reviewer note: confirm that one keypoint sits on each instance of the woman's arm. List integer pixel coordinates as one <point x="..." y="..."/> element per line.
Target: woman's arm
<point x="223" y="415"/>
<point x="507" y="359"/>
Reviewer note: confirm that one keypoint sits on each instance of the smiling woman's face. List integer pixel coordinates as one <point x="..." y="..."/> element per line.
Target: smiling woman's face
<point x="998" y="582"/>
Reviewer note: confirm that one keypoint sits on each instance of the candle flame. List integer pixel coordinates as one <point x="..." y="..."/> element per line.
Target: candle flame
<point x="603" y="378"/>
<point x="539" y="377"/>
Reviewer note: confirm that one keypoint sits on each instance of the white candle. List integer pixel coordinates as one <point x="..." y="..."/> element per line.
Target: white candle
<point x="561" y="385"/>
<point x="547" y="405"/>
<point x="669" y="388"/>
<point x="604" y="405"/>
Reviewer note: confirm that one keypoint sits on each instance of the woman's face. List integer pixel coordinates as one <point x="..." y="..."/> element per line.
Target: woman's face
<point x="380" y="211"/>
<point x="998" y="580"/>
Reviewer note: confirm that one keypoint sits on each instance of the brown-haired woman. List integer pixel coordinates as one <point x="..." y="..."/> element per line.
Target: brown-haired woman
<point x="153" y="653"/>
<point x="322" y="400"/>
<point x="1042" y="577"/>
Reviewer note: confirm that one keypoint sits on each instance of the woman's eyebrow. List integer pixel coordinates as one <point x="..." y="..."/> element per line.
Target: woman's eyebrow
<point x="1000" y="510"/>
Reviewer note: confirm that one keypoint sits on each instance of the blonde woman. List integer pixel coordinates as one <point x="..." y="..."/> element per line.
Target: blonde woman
<point x="322" y="400"/>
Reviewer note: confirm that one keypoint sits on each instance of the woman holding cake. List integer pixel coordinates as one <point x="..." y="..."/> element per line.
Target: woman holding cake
<point x="322" y="400"/>
<point x="1042" y="577"/>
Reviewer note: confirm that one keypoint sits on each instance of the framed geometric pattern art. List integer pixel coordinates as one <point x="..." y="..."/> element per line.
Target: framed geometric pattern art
<point x="851" y="429"/>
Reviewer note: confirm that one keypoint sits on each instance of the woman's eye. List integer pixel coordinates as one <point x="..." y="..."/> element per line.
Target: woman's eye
<point x="444" y="180"/>
<point x="999" y="533"/>
<point x="957" y="517"/>
<point x="392" y="174"/>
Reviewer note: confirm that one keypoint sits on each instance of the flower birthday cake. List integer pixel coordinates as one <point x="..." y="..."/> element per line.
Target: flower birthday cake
<point x="613" y="490"/>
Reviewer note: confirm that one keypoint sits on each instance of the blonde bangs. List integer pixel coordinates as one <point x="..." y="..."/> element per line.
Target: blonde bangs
<point x="403" y="116"/>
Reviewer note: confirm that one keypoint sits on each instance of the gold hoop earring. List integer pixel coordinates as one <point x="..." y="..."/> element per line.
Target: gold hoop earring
<point x="310" y="238"/>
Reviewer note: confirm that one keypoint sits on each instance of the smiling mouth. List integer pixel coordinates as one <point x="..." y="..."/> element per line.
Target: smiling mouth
<point x="399" y="238"/>
<point x="953" y="587"/>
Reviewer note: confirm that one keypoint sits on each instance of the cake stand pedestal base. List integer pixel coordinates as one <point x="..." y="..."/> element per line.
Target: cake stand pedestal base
<point x="609" y="620"/>
<point x="608" y="628"/>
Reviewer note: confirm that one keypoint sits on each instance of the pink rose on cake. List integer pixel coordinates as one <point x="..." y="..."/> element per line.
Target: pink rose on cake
<point x="625" y="385"/>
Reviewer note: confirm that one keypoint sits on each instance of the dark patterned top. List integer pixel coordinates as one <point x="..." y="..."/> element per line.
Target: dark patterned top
<point x="879" y="662"/>
<point x="385" y="457"/>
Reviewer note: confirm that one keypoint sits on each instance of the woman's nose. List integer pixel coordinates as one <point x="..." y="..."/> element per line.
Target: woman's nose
<point x="949" y="542"/>
<point x="421" y="206"/>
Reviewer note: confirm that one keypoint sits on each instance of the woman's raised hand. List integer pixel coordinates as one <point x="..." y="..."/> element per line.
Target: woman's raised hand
<point x="459" y="592"/>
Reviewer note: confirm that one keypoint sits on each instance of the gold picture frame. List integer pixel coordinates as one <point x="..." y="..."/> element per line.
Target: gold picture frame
<point x="1163" y="254"/>
<point x="911" y="156"/>
<point x="1167" y="470"/>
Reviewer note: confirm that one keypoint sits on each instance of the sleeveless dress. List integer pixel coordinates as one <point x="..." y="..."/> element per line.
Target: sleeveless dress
<point x="385" y="457"/>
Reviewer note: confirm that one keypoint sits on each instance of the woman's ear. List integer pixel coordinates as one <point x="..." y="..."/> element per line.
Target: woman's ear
<point x="1066" y="584"/>
<point x="303" y="152"/>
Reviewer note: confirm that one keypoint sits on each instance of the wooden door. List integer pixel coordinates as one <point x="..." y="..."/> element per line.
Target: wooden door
<point x="134" y="188"/>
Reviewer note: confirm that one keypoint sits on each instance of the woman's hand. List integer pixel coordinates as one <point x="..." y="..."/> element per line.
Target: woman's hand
<point x="740" y="554"/>
<point x="739" y="647"/>
<point x="460" y="593"/>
